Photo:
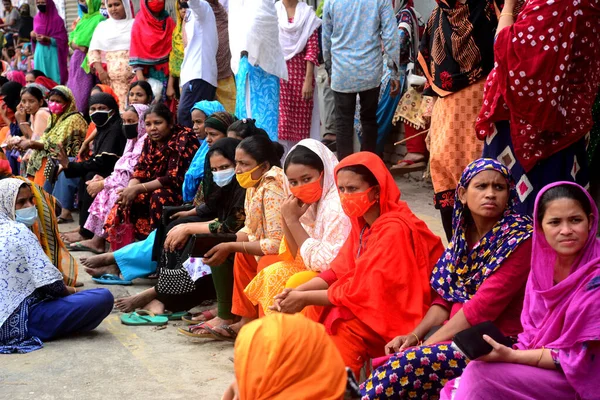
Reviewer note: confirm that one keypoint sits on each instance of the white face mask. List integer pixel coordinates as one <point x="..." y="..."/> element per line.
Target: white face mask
<point x="27" y="216"/>
<point x="222" y="178"/>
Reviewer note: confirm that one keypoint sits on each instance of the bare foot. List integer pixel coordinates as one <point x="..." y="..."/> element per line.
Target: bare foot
<point x="95" y="244"/>
<point x="131" y="303"/>
<point x="96" y="272"/>
<point x="415" y="157"/>
<point x="72" y="237"/>
<point x="155" y="307"/>
<point x="205" y="315"/>
<point x="101" y="260"/>
<point x="236" y="327"/>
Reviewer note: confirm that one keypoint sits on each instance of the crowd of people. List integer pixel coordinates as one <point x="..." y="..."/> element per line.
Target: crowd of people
<point x="199" y="149"/>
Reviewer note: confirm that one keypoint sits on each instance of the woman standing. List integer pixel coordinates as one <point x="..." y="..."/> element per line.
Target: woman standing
<point x="81" y="80"/>
<point x="481" y="277"/>
<point x="176" y="55"/>
<point x="151" y="42"/>
<point x="258" y="62"/>
<point x="225" y="79"/>
<point x="109" y="49"/>
<point x="50" y="42"/>
<point x="158" y="176"/>
<point x="557" y="354"/>
<point x="299" y="38"/>
<point x="456" y="55"/>
<point x="538" y="102"/>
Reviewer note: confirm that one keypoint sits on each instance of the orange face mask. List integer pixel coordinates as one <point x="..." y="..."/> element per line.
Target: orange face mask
<point x="309" y="193"/>
<point x="356" y="204"/>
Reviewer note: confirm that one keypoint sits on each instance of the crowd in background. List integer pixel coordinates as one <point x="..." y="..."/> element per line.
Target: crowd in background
<point x="214" y="150"/>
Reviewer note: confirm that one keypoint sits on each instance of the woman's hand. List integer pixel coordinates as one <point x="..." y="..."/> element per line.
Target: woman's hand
<point x="217" y="255"/>
<point x="400" y="343"/>
<point x="84" y="150"/>
<point x="62" y="157"/>
<point x="292" y="209"/>
<point x="501" y="353"/>
<point x="170" y="92"/>
<point x="20" y="115"/>
<point x="94" y="187"/>
<point x="183" y="214"/>
<point x="15" y="141"/>
<point x="103" y="76"/>
<point x="278" y="299"/>
<point x="307" y="89"/>
<point x="177" y="237"/>
<point x="294" y="302"/>
<point x="128" y="195"/>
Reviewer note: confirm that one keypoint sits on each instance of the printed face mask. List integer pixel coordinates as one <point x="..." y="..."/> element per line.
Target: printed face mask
<point x="56" y="108"/>
<point x="104" y="12"/>
<point x="356" y="204"/>
<point x="308" y="193"/>
<point x="245" y="178"/>
<point x="222" y="178"/>
<point x="27" y="216"/>
<point x="100" y="118"/>
<point x="130" y="131"/>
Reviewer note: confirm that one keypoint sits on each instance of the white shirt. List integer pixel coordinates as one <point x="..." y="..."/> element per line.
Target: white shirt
<point x="200" y="54"/>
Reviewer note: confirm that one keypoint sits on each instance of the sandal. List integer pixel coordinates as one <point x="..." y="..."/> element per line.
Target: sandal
<point x="77" y="246"/>
<point x="405" y="166"/>
<point x="207" y="314"/>
<point x="192" y="331"/>
<point x="111" y="279"/>
<point x="61" y="220"/>
<point x="219" y="336"/>
<point x="143" y="318"/>
<point x="174" y="316"/>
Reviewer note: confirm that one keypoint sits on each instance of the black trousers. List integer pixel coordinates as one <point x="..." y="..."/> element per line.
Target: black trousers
<point x="192" y="92"/>
<point x="345" y="107"/>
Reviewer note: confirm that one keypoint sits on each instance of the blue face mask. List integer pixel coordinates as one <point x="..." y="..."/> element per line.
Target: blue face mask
<point x="27" y="216"/>
<point x="222" y="178"/>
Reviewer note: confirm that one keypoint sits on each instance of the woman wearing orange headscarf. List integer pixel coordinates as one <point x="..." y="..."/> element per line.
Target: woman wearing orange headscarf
<point x="378" y="286"/>
<point x="282" y="357"/>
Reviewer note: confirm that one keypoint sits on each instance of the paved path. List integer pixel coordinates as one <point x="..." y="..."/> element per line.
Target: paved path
<point x="120" y="362"/>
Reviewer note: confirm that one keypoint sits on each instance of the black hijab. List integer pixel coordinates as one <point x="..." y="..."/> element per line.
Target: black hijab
<point x="11" y="93"/>
<point x="110" y="139"/>
<point x="222" y="200"/>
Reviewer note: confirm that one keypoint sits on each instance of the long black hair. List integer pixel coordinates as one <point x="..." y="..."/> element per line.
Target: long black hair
<point x="304" y="156"/>
<point x="146" y="87"/>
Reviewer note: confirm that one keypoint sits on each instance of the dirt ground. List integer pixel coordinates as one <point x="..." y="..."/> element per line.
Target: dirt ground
<point x="120" y="362"/>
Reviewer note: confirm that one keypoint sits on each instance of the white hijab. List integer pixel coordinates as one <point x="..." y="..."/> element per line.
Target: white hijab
<point x="253" y="28"/>
<point x="114" y="34"/>
<point x="294" y="35"/>
<point x="24" y="266"/>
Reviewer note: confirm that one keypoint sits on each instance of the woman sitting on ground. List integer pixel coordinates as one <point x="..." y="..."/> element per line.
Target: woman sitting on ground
<point x="224" y="198"/>
<point x="243" y="128"/>
<point x="108" y="147"/>
<point x="258" y="171"/>
<point x="481" y="277"/>
<point x="371" y="293"/>
<point x="35" y="304"/>
<point x="140" y="92"/>
<point x="33" y="105"/>
<point x="46" y="229"/>
<point x="158" y="176"/>
<point x="314" y="224"/>
<point x="104" y="190"/>
<point x="557" y="354"/>
<point x="264" y="349"/>
<point x="66" y="130"/>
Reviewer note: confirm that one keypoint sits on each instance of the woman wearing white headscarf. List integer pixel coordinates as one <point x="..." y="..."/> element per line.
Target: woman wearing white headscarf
<point x="315" y="226"/>
<point x="35" y="304"/>
<point x="109" y="49"/>
<point x="257" y="60"/>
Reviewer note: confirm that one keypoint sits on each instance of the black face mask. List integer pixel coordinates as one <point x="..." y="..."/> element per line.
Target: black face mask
<point x="41" y="8"/>
<point x="100" y="118"/>
<point x="130" y="131"/>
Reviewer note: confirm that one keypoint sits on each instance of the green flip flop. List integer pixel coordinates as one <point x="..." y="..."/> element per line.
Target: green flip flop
<point x="143" y="318"/>
<point x="174" y="316"/>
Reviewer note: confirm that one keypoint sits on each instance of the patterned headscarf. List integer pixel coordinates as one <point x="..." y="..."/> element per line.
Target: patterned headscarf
<point x="219" y="121"/>
<point x="459" y="272"/>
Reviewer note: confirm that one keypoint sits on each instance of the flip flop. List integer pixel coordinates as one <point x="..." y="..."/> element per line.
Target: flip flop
<point x="219" y="336"/>
<point x="143" y="318"/>
<point x="405" y="166"/>
<point x="61" y="220"/>
<point x="174" y="316"/>
<point x="207" y="314"/>
<point x="77" y="246"/>
<point x="189" y="331"/>
<point x="111" y="279"/>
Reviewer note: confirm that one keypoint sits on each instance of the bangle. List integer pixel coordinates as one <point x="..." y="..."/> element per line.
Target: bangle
<point x="24" y="123"/>
<point x="506" y="14"/>
<point x="415" y="335"/>
<point x="541" y="355"/>
<point x="145" y="188"/>
<point x="244" y="247"/>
